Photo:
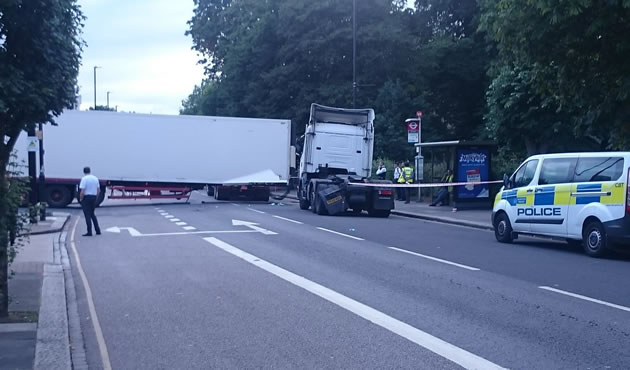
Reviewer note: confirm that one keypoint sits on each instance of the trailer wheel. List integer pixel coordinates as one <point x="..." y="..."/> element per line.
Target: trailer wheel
<point x="58" y="196"/>
<point x="101" y="196"/>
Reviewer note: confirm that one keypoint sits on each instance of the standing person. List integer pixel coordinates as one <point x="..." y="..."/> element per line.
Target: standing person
<point x="445" y="193"/>
<point x="382" y="170"/>
<point x="397" y="174"/>
<point x="90" y="189"/>
<point x="406" y="178"/>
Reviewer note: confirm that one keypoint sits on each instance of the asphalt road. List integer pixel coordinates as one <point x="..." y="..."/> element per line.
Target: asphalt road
<point x="297" y="290"/>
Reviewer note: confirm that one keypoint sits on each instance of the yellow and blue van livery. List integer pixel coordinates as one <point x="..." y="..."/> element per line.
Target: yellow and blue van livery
<point x="582" y="197"/>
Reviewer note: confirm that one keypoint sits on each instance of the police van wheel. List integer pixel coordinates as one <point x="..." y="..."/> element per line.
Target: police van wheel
<point x="595" y="241"/>
<point x="503" y="228"/>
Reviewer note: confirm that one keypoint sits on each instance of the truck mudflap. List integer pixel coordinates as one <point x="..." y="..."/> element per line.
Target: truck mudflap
<point x="333" y="199"/>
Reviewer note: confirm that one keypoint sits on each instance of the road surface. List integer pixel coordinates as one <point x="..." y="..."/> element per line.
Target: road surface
<point x="251" y="285"/>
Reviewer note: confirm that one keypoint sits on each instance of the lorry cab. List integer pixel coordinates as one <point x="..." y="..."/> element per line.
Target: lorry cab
<point x="581" y="197"/>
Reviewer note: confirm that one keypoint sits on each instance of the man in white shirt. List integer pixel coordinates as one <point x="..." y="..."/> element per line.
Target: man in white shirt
<point x="90" y="189"/>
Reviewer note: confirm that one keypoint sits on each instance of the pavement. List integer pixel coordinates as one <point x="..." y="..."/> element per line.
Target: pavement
<point x="476" y="218"/>
<point x="256" y="285"/>
<point x="31" y="296"/>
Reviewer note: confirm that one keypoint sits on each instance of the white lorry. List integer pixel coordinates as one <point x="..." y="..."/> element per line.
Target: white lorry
<point x="336" y="164"/>
<point x="161" y="156"/>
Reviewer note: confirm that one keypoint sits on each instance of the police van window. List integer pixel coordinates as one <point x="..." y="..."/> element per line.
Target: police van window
<point x="525" y="174"/>
<point x="557" y="171"/>
<point x="598" y="169"/>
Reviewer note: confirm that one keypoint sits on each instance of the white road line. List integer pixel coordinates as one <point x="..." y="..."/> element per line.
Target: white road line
<point x="435" y="259"/>
<point x="236" y="205"/>
<point x="338" y="233"/>
<point x="257" y="211"/>
<point x="436" y="345"/>
<point x="100" y="339"/>
<point x="190" y="228"/>
<point x="181" y="223"/>
<point x="619" y="307"/>
<point x="175" y="220"/>
<point x="290" y="220"/>
<point x="169" y="216"/>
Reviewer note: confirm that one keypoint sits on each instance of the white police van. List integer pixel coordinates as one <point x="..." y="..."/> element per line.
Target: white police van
<point x="581" y="197"/>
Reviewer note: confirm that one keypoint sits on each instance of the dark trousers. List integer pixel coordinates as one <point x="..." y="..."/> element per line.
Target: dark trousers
<point x="442" y="197"/>
<point x="88" y="204"/>
<point x="406" y="195"/>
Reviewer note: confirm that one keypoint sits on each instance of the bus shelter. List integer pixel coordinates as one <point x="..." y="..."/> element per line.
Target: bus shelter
<point x="470" y="161"/>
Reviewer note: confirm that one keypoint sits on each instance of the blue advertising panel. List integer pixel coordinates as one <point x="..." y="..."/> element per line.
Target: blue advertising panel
<point x="473" y="166"/>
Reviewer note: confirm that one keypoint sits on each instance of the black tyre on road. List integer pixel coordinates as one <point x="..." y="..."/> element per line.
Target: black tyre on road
<point x="503" y="228"/>
<point x="595" y="239"/>
<point x="58" y="196"/>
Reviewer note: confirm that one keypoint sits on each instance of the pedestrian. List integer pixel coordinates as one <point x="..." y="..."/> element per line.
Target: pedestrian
<point x="397" y="174"/>
<point x="445" y="193"/>
<point x="89" y="191"/>
<point x="382" y="170"/>
<point x="406" y="177"/>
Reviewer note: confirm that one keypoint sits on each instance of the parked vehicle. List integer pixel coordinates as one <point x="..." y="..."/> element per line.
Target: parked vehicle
<point x="160" y="156"/>
<point x="336" y="164"/>
<point x="583" y="197"/>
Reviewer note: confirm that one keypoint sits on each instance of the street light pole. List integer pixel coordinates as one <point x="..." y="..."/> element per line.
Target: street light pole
<point x="109" y="92"/>
<point x="95" y="67"/>
<point x="354" y="53"/>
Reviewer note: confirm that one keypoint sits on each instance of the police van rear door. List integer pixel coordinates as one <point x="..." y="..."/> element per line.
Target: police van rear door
<point x="552" y="196"/>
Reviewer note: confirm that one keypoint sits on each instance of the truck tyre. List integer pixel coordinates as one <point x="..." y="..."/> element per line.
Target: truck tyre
<point x="503" y="228"/>
<point x="101" y="196"/>
<point x="58" y="196"/>
<point x="304" y="204"/>
<point x="210" y="191"/>
<point x="595" y="240"/>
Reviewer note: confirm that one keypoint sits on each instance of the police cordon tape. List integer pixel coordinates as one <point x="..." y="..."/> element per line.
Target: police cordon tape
<point x="401" y="185"/>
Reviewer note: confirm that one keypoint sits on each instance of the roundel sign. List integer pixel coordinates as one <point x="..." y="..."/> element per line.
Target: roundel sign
<point x="412" y="126"/>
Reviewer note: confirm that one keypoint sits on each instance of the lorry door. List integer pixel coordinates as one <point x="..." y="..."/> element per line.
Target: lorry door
<point x="597" y="180"/>
<point x="521" y="196"/>
<point x="552" y="196"/>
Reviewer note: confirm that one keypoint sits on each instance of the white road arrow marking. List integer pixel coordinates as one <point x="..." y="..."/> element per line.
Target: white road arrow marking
<point x="117" y="230"/>
<point x="253" y="226"/>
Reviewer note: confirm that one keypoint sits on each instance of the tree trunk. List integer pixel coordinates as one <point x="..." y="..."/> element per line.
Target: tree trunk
<point x="4" y="244"/>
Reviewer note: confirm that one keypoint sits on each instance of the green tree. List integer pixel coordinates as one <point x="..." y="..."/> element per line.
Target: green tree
<point x="575" y="54"/>
<point x="40" y="49"/>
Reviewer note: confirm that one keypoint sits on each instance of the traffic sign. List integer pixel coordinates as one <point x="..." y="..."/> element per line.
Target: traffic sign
<point x="419" y="114"/>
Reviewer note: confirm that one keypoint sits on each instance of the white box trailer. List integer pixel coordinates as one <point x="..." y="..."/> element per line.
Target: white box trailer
<point x="156" y="156"/>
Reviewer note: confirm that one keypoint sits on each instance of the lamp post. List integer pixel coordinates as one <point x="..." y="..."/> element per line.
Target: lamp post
<point x="109" y="92"/>
<point x="95" y="67"/>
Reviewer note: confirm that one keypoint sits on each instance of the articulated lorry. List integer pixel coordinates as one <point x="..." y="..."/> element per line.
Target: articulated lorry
<point x="336" y="164"/>
<point x="146" y="156"/>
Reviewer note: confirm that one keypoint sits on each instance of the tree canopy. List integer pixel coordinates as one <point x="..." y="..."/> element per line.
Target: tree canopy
<point x="40" y="49"/>
<point x="535" y="76"/>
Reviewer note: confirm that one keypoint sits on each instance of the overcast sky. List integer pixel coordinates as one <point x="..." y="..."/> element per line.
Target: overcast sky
<point x="146" y="59"/>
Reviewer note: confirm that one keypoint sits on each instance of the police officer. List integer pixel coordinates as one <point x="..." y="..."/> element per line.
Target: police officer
<point x="406" y="177"/>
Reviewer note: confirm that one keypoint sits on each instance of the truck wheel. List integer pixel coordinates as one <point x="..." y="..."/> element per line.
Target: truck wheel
<point x="503" y="228"/>
<point x="210" y="191"/>
<point x="101" y="196"/>
<point x="304" y="204"/>
<point x="313" y="201"/>
<point x="58" y="196"/>
<point x="595" y="240"/>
